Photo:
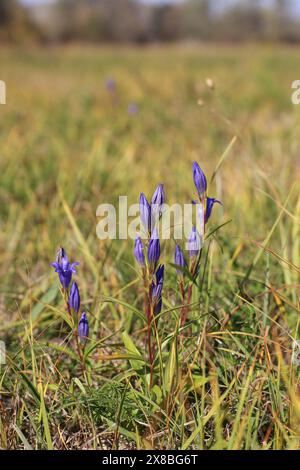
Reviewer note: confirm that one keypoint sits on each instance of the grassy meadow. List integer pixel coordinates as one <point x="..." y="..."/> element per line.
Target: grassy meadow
<point x="224" y="381"/>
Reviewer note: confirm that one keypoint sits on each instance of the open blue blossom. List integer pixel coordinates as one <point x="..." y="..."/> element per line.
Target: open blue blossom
<point x="74" y="298"/>
<point x="210" y="201"/>
<point x="194" y="243"/>
<point x="145" y="212"/>
<point x="179" y="259"/>
<point x="154" y="249"/>
<point x="156" y="289"/>
<point x="199" y="180"/>
<point x="139" y="251"/>
<point x="64" y="268"/>
<point x="83" y="326"/>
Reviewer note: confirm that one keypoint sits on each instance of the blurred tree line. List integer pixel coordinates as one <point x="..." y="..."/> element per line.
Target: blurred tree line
<point x="16" y="23"/>
<point x="135" y="21"/>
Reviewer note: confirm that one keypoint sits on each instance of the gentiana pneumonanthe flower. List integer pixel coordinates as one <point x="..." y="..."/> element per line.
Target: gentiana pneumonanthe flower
<point x="64" y="268"/>
<point x="139" y="251"/>
<point x="74" y="298"/>
<point x="83" y="327"/>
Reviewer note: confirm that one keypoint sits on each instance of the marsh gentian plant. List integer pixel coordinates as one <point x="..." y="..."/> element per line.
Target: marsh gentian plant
<point x="204" y="206"/>
<point x="147" y="255"/>
<point x="72" y="299"/>
<point x="64" y="268"/>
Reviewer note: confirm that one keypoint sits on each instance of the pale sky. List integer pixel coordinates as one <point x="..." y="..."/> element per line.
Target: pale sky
<point x="295" y="4"/>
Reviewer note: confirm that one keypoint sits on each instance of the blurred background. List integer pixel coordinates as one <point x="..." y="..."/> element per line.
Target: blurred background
<point x="95" y="87"/>
<point x="147" y="21"/>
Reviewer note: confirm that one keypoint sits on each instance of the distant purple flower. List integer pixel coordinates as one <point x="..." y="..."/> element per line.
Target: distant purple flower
<point x="74" y="298"/>
<point x="194" y="243"/>
<point x="145" y="212"/>
<point x="210" y="201"/>
<point x="110" y="85"/>
<point x="156" y="289"/>
<point x="64" y="269"/>
<point x="132" y="109"/>
<point x="179" y="259"/>
<point x="157" y="201"/>
<point x="154" y="249"/>
<point x="83" y="326"/>
<point x="139" y="252"/>
<point x="199" y="180"/>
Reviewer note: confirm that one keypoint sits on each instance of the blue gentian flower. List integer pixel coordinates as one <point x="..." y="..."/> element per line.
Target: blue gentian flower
<point x="199" y="180"/>
<point x="194" y="243"/>
<point x="64" y="269"/>
<point x="154" y="249"/>
<point x="139" y="251"/>
<point x="179" y="259"/>
<point x="156" y="289"/>
<point x="210" y="201"/>
<point x="74" y="298"/>
<point x="145" y="212"/>
<point x="157" y="201"/>
<point x="158" y="197"/>
<point x="83" y="326"/>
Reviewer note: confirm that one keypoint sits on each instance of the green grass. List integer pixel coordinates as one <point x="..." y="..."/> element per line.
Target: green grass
<point x="227" y="381"/>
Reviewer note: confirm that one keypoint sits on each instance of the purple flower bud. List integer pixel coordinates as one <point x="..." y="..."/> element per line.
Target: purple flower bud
<point x="74" y="298"/>
<point x="179" y="259"/>
<point x="194" y="243"/>
<point x="157" y="201"/>
<point x="145" y="212"/>
<point x="199" y="180"/>
<point x="139" y="251"/>
<point x="132" y="109"/>
<point x="158" y="286"/>
<point x="83" y="327"/>
<point x="64" y="269"/>
<point x="210" y="201"/>
<point x="156" y="289"/>
<point x="158" y="197"/>
<point x="110" y="85"/>
<point x="154" y="249"/>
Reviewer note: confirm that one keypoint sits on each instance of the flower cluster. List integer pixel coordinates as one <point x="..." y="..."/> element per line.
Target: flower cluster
<point x="204" y="207"/>
<point x="151" y="270"/>
<point x="65" y="271"/>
